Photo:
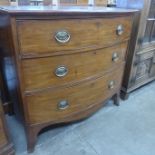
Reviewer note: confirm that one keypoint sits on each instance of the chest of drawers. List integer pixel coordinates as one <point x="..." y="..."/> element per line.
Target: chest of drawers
<point x="6" y="147"/>
<point x="64" y="62"/>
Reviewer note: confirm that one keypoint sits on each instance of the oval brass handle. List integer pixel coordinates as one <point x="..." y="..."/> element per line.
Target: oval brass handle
<point x="61" y="71"/>
<point x="111" y="84"/>
<point x="63" y="104"/>
<point x="115" y="57"/>
<point x="62" y="36"/>
<point x="120" y="30"/>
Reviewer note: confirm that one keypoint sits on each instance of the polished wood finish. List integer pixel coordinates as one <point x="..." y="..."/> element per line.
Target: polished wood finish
<point x="79" y="98"/>
<point x="141" y="51"/>
<point x="95" y="32"/>
<point x="94" y="56"/>
<point x="40" y="73"/>
<point x="6" y="147"/>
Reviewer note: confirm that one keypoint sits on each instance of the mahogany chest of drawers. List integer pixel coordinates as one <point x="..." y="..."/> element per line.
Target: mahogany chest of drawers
<point x="6" y="147"/>
<point x="64" y="62"/>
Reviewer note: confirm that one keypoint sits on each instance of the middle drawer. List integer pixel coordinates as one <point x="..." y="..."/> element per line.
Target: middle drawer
<point x="55" y="71"/>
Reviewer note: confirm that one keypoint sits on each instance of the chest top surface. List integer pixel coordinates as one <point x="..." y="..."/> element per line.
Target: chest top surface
<point x="17" y="10"/>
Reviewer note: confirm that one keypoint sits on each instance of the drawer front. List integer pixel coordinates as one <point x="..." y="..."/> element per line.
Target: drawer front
<point x="60" y="103"/>
<point x="3" y="139"/>
<point x="47" y="36"/>
<point x="58" y="70"/>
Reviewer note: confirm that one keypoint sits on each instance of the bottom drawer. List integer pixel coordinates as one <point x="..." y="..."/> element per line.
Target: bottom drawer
<point x="3" y="139"/>
<point x="60" y="103"/>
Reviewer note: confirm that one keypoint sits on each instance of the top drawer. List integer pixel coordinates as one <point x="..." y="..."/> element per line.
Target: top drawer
<point x="46" y="36"/>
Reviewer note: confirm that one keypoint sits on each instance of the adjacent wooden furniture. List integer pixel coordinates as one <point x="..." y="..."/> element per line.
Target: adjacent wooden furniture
<point x="141" y="58"/>
<point x="6" y="147"/>
<point x="66" y="61"/>
<point x="4" y="94"/>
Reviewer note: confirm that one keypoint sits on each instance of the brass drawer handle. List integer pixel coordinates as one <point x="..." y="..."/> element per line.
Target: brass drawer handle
<point x="115" y="57"/>
<point x="111" y="84"/>
<point x="120" y="30"/>
<point x="62" y="36"/>
<point x="63" y="104"/>
<point x="61" y="71"/>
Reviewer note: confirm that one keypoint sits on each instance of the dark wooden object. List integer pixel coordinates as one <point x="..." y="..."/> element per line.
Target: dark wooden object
<point x="4" y="93"/>
<point x="6" y="147"/>
<point x="141" y="52"/>
<point x="64" y="61"/>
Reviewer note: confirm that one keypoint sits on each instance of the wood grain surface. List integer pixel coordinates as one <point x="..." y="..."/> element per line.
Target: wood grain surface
<point x="38" y="36"/>
<point x="40" y="73"/>
<point x="43" y="107"/>
<point x="32" y="54"/>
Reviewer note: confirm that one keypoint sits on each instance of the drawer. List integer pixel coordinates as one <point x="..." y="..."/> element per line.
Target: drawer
<point x="55" y="105"/>
<point x="46" y="36"/>
<point x="3" y="139"/>
<point x="55" y="71"/>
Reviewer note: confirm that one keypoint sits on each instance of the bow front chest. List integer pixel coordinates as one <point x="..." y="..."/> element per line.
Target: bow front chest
<point x="62" y="63"/>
